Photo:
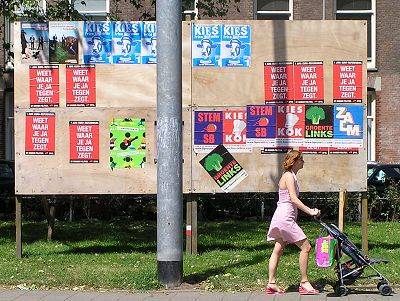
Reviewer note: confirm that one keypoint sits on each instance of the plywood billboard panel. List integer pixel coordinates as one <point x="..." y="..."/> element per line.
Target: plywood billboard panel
<point x="278" y="41"/>
<point x="129" y="91"/>
<point x="55" y="174"/>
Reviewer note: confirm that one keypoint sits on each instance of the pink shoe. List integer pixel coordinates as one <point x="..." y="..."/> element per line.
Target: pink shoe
<point x="304" y="291"/>
<point x="271" y="291"/>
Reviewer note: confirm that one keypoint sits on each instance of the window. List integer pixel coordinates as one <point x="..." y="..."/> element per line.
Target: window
<point x="371" y="125"/>
<point x="189" y="10"/>
<point x="96" y="10"/>
<point x="274" y="10"/>
<point x="361" y="10"/>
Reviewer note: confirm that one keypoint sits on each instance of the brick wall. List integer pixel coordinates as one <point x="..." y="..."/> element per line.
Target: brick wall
<point x="2" y="113"/>
<point x="388" y="66"/>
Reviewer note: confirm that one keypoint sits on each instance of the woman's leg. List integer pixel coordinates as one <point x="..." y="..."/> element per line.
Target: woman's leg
<point x="305" y="249"/>
<point x="274" y="261"/>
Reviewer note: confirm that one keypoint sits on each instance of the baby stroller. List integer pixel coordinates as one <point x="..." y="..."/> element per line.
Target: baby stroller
<point x="348" y="272"/>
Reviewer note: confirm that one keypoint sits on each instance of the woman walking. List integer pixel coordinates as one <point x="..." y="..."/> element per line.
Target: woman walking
<point x="284" y="229"/>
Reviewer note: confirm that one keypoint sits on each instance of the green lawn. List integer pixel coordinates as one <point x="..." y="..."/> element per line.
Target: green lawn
<point x="232" y="256"/>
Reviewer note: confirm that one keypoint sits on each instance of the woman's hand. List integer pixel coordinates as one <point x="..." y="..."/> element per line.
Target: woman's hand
<point x="315" y="212"/>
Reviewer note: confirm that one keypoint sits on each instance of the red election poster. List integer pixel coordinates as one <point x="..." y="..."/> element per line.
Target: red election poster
<point x="84" y="142"/>
<point x="347" y="81"/>
<point x="80" y="85"/>
<point x="290" y="121"/>
<point x="40" y="133"/>
<point x="234" y="125"/>
<point x="44" y="86"/>
<point x="344" y="150"/>
<point x="309" y="82"/>
<point x="278" y="82"/>
<point x="318" y="150"/>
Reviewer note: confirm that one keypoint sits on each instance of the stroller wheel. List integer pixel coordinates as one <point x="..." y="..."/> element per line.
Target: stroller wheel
<point x="380" y="283"/>
<point x="340" y="290"/>
<point x="385" y="289"/>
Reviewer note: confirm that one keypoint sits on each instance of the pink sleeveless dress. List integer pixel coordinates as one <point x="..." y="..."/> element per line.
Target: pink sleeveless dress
<point x="283" y="224"/>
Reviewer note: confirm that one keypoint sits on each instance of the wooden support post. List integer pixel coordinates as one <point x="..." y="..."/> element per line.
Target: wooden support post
<point x="189" y="225"/>
<point x="50" y="211"/>
<point x="194" y="226"/>
<point x="18" y="226"/>
<point x="364" y="221"/>
<point x="342" y="206"/>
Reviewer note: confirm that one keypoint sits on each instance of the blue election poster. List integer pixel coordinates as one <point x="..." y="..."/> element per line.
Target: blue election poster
<point x="208" y="130"/>
<point x="206" y="45"/>
<point x="149" y="43"/>
<point x="348" y="125"/>
<point x="236" y="45"/>
<point x="126" y="42"/>
<point x="97" y="42"/>
<point x="261" y="125"/>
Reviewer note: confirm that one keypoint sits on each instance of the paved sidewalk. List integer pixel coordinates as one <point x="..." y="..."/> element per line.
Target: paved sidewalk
<point x="176" y="295"/>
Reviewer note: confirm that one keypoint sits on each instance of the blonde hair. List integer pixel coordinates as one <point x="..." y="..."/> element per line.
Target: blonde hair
<point x="290" y="159"/>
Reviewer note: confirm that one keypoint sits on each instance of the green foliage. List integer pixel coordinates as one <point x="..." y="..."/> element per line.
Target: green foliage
<point x="384" y="206"/>
<point x="233" y="256"/>
<point x="315" y="114"/>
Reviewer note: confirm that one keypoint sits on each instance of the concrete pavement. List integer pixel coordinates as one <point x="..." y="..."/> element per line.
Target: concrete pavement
<point x="179" y="295"/>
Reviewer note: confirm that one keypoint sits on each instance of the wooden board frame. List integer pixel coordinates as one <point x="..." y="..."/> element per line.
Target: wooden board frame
<point x="130" y="91"/>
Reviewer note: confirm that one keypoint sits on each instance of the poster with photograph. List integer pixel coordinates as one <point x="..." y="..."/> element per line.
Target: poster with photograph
<point x="63" y="42"/>
<point x="126" y="42"/>
<point x="127" y="143"/>
<point x="149" y="42"/>
<point x="40" y="133"/>
<point x="236" y="45"/>
<point x="206" y="45"/>
<point x="97" y="42"/>
<point x="34" y="43"/>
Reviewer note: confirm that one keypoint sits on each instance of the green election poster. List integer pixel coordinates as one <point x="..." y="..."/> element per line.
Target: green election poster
<point x="127" y="143"/>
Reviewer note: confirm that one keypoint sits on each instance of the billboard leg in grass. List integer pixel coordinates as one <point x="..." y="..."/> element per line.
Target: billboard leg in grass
<point x="18" y="226"/>
<point x="169" y="143"/>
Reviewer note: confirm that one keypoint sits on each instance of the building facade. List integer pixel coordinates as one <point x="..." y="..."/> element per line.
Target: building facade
<point x="383" y="54"/>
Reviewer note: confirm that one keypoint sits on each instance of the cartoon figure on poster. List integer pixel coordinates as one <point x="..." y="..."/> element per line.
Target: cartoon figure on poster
<point x="206" y="45"/>
<point x="348" y="126"/>
<point x="126" y="42"/>
<point x="290" y="125"/>
<point x="34" y="43"/>
<point x="97" y="42"/>
<point x="64" y="50"/>
<point x="236" y="45"/>
<point x="127" y="143"/>
<point x="149" y="43"/>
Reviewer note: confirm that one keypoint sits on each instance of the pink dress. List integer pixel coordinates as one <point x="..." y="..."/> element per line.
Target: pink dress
<point x="283" y="224"/>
